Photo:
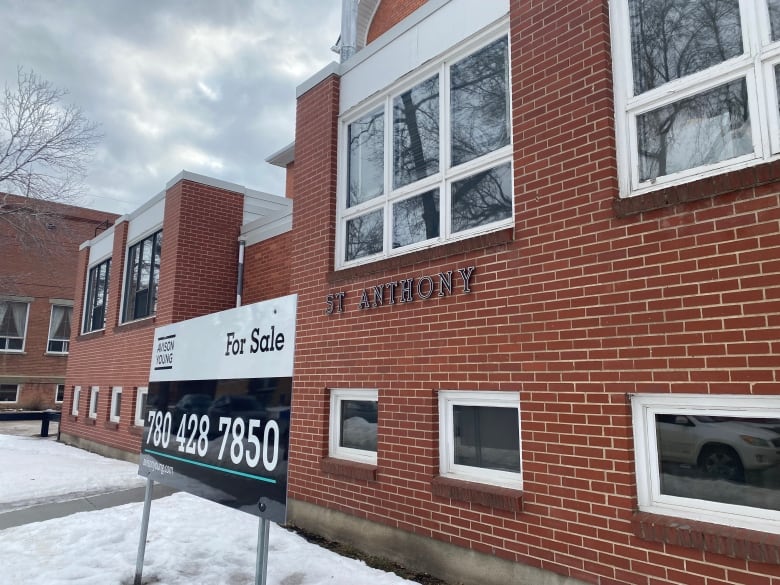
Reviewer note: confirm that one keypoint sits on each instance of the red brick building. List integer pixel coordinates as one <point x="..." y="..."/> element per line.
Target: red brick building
<point x="535" y="247"/>
<point x="174" y="258"/>
<point x="39" y="243"/>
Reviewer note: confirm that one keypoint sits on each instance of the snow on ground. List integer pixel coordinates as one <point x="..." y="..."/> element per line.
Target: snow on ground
<point x="191" y="541"/>
<point x="59" y="472"/>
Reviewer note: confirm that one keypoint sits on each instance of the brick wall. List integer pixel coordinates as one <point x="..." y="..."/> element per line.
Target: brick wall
<point x="198" y="275"/>
<point x="267" y="269"/>
<point x="582" y="304"/>
<point x="390" y="13"/>
<point x="40" y="263"/>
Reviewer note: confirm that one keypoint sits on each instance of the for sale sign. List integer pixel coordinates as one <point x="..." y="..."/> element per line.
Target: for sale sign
<point x="217" y="417"/>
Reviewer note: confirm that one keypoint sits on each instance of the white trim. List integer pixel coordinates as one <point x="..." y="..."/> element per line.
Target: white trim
<point x="56" y="392"/>
<point x="644" y="408"/>
<point x="337" y="395"/>
<point x="74" y="407"/>
<point x="447" y="465"/>
<point x="94" y="392"/>
<point x="116" y="404"/>
<point x="441" y="180"/>
<point x="140" y="393"/>
<point x="754" y="66"/>
<point x="49" y="339"/>
<point x="26" y="323"/>
<point x="126" y="267"/>
<point x="18" y="392"/>
<point x="85" y="300"/>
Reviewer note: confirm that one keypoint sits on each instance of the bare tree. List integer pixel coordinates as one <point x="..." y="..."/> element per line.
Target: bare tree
<point x="45" y="145"/>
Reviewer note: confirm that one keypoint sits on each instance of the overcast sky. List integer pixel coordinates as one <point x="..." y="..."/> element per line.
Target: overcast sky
<point x="206" y="86"/>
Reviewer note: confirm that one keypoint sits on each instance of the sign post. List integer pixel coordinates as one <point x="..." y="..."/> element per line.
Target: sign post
<point x="217" y="417"/>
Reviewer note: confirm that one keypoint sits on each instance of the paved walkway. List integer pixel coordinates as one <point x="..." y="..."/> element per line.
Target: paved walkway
<point x="67" y="507"/>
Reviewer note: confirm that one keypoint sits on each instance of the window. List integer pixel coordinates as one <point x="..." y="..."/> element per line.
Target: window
<point x="59" y="393"/>
<point x="116" y="404"/>
<point x="709" y="458"/>
<point x="431" y="163"/>
<point x="696" y="87"/>
<point x="140" y="405"/>
<point x="93" y="401"/>
<point x="97" y="297"/>
<point x="353" y="425"/>
<point x="479" y="438"/>
<point x="13" y="325"/>
<point x="143" y="274"/>
<point x="9" y="393"/>
<point x="59" y="329"/>
<point x="74" y="410"/>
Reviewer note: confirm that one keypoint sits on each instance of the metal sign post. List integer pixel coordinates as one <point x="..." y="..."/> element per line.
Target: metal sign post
<point x="139" y="561"/>
<point x="262" y="551"/>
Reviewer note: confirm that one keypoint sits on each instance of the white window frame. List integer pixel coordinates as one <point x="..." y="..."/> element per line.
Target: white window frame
<point x="755" y="66"/>
<point x="89" y="297"/>
<point x="443" y="179"/>
<point x="644" y="407"/>
<point x="57" y="391"/>
<point x="114" y="412"/>
<point x="140" y="392"/>
<point x="447" y="465"/>
<point x="65" y="342"/>
<point x="93" y="401"/>
<point x="26" y="301"/>
<point x="18" y="392"/>
<point x="74" y="408"/>
<point x="335" y="450"/>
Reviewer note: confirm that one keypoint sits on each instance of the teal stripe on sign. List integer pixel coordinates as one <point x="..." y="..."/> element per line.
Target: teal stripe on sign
<point x="214" y="467"/>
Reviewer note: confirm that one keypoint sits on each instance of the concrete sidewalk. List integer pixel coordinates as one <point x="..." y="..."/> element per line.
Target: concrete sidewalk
<point x="67" y="507"/>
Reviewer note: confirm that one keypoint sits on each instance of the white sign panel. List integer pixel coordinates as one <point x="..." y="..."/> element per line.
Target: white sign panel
<point x="252" y="341"/>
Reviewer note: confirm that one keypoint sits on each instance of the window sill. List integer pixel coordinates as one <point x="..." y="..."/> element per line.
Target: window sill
<point x="442" y="251"/>
<point x="91" y="335"/>
<point x="55" y="354"/>
<point x="709" y="187"/>
<point x="137" y="324"/>
<point x="490" y="496"/>
<point x="349" y="469"/>
<point x="13" y="351"/>
<point x="735" y="543"/>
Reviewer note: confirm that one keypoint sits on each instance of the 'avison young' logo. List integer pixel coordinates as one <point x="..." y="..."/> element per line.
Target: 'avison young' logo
<point x="163" y="352"/>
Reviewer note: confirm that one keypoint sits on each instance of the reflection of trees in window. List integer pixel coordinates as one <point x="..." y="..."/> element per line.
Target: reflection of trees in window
<point x="365" y="174"/>
<point x="774" y="18"/>
<point x="704" y="129"/>
<point x="482" y="198"/>
<point x="364" y="235"/>
<point x="416" y="219"/>
<point x="674" y="38"/>
<point x="97" y="291"/>
<point x="416" y="133"/>
<point x="479" y="103"/>
<point x="143" y="273"/>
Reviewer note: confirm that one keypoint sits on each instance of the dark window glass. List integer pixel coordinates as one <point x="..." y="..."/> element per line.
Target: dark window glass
<point x="674" y="38"/>
<point x="774" y="18"/>
<point x="59" y="395"/>
<point x="366" y="158"/>
<point x="8" y="392"/>
<point x="416" y="219"/>
<point x="703" y="129"/>
<point x="482" y="198"/>
<point x="143" y="273"/>
<point x="487" y="437"/>
<point x="358" y="424"/>
<point x="364" y="235"/>
<point x="416" y="133"/>
<point x="479" y="103"/>
<point x="726" y="459"/>
<point x="97" y="294"/>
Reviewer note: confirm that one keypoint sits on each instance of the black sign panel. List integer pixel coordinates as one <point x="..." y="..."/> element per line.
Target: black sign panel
<point x="223" y="440"/>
